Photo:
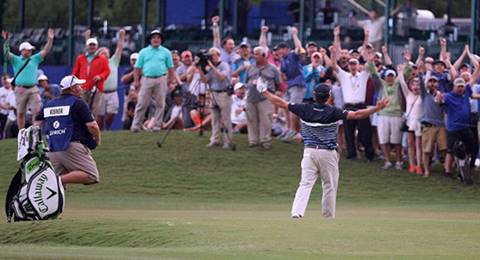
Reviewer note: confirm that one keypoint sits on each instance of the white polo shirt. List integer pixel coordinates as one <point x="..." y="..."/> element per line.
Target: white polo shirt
<point x="354" y="87"/>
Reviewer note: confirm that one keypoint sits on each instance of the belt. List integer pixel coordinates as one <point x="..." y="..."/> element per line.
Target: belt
<point x="109" y="91"/>
<point x="153" y="77"/>
<point x="318" y="146"/>
<point x="354" y="105"/>
<point x="426" y="124"/>
<point x="219" y="91"/>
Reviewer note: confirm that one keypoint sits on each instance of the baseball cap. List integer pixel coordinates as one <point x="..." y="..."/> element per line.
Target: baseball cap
<point x="281" y="45"/>
<point x="26" y="46"/>
<point x="92" y="41"/>
<point x="390" y="72"/>
<point x="244" y="45"/>
<point x="378" y="54"/>
<point x="459" y="82"/>
<point x="70" y="81"/>
<point x="432" y="77"/>
<point x="238" y="86"/>
<point x="134" y="56"/>
<point x="316" y="54"/>
<point x="311" y="43"/>
<point x="439" y="62"/>
<point x="186" y="53"/>
<point x="177" y="92"/>
<point x="353" y="61"/>
<point x="464" y="65"/>
<point x="42" y="77"/>
<point x="352" y="51"/>
<point x="156" y="32"/>
<point x="322" y="89"/>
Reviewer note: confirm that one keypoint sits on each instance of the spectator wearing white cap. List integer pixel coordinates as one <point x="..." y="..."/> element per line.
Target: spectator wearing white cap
<point x="47" y="92"/>
<point x="11" y="127"/>
<point x="354" y="91"/>
<point x="94" y="69"/>
<point x="72" y="132"/>
<point x="239" y="105"/>
<point x="4" y="108"/>
<point x="458" y="107"/>
<point x="259" y="109"/>
<point x="240" y="66"/>
<point x="390" y="119"/>
<point x="25" y="69"/>
<point x="109" y="104"/>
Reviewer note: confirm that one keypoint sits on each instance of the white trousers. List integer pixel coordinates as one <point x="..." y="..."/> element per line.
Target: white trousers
<point x="315" y="163"/>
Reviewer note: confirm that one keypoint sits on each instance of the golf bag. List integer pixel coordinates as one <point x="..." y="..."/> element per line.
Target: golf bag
<point x="35" y="192"/>
<point x="462" y="160"/>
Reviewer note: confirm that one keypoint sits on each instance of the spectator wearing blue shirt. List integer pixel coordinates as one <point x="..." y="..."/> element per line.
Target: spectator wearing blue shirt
<point x="47" y="91"/>
<point x="152" y="66"/>
<point x="240" y="66"/>
<point x="312" y="73"/>
<point x="292" y="68"/>
<point x="320" y="158"/>
<point x="457" y="103"/>
<point x="443" y="77"/>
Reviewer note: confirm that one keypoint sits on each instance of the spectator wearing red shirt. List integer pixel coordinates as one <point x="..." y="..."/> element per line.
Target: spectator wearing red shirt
<point x="95" y="70"/>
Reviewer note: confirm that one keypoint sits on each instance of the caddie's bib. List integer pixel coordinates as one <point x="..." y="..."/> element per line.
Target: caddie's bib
<point x="59" y="122"/>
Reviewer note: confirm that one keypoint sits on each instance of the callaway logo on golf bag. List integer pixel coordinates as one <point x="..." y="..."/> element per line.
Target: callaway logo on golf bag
<point x="35" y="192"/>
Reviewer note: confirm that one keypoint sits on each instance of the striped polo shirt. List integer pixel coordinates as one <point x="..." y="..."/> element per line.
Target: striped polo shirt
<point x="319" y="123"/>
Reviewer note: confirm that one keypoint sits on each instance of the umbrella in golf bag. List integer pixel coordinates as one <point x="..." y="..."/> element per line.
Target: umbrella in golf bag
<point x="35" y="192"/>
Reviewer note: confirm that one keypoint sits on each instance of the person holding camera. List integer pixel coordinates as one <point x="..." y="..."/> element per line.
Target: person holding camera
<point x="217" y="76"/>
<point x="259" y="109"/>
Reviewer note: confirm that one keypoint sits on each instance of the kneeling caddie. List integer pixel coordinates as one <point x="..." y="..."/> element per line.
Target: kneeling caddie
<point x="72" y="133"/>
<point x="319" y="129"/>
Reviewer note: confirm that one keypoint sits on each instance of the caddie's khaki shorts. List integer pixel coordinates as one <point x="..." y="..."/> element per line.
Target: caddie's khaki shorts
<point x="77" y="157"/>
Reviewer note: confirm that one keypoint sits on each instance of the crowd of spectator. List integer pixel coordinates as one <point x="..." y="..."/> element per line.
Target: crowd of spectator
<point x="432" y="99"/>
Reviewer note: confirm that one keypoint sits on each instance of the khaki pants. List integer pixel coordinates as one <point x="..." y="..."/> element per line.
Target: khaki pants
<point x="77" y="157"/>
<point x="323" y="163"/>
<point x="221" y="117"/>
<point x="259" y="116"/>
<point x="151" y="88"/>
<point x="27" y="98"/>
<point x="94" y="101"/>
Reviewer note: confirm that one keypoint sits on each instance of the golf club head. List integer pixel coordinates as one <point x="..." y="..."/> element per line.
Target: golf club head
<point x="159" y="144"/>
<point x="234" y="147"/>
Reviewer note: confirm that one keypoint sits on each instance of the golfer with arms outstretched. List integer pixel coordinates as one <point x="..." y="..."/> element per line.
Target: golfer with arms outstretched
<point x="319" y="130"/>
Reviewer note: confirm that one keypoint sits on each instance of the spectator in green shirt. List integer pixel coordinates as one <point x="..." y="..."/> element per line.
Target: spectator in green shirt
<point x="27" y="94"/>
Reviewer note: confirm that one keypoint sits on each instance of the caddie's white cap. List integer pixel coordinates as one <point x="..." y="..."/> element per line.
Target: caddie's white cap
<point x="42" y="77"/>
<point x="238" y="86"/>
<point x="92" y="41"/>
<point x="26" y="46"/>
<point x="70" y="81"/>
<point x="134" y="56"/>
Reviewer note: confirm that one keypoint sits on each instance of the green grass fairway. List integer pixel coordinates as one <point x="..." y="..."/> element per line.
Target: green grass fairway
<point x="185" y="201"/>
